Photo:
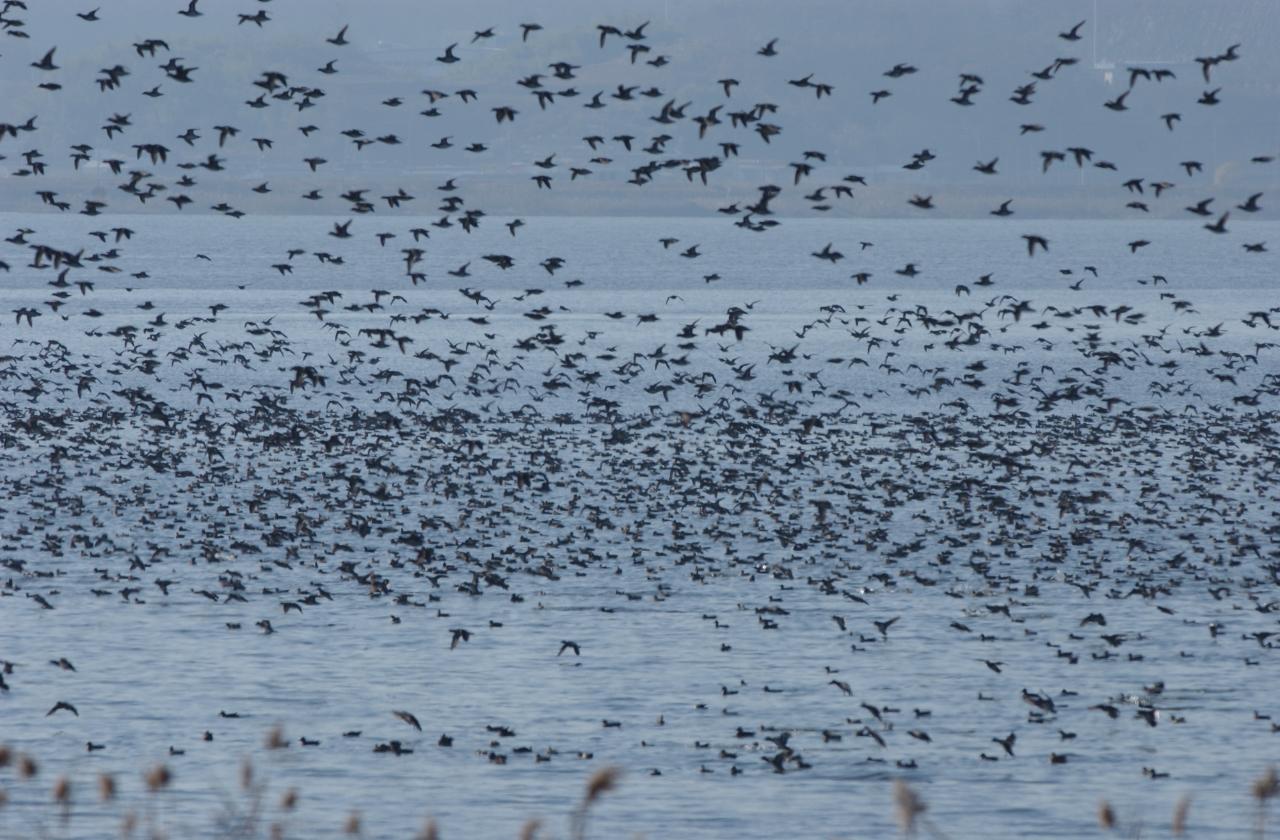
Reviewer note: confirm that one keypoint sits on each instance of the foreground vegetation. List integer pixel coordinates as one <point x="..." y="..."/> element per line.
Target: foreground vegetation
<point x="253" y="816"/>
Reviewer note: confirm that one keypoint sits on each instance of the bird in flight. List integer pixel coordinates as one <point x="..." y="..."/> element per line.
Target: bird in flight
<point x="408" y="718"/>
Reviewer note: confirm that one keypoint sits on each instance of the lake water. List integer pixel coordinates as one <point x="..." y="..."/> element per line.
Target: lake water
<point x="696" y="545"/>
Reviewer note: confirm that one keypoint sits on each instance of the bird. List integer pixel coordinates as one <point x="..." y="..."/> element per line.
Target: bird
<point x="883" y="626"/>
<point x="46" y="63"/>
<point x="1219" y="226"/>
<point x="60" y="706"/>
<point x="828" y="254"/>
<point x="408" y="718"/>
<point x="1251" y="204"/>
<point x="1072" y="34"/>
<point x="1117" y="104"/>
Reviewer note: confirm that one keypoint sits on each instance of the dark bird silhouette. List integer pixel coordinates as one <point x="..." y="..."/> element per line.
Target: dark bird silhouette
<point x="408" y="718"/>
<point x="46" y="63"/>
<point x="828" y="254"/>
<point x="1219" y="226"/>
<point x="1072" y="34"/>
<point x="1117" y="104"/>
<point x="1251" y="204"/>
<point x="883" y="626"/>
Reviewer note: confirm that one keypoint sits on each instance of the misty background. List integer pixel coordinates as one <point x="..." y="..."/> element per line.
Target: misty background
<point x="847" y="44"/>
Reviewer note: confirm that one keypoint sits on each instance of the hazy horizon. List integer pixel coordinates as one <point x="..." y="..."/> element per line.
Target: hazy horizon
<point x="383" y="61"/>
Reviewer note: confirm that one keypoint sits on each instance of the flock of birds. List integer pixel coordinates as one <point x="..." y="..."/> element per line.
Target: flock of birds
<point x="354" y="454"/>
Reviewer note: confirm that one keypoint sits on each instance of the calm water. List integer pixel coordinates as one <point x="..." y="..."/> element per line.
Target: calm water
<point x="691" y="561"/>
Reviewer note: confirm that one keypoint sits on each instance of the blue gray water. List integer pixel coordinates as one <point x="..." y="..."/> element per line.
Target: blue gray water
<point x="698" y="559"/>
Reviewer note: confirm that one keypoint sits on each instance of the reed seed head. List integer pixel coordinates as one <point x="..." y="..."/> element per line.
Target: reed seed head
<point x="62" y="791"/>
<point x="158" y="778"/>
<point x="601" y="782"/>
<point x="1266" y="786"/>
<point x="276" y="739"/>
<point x="1106" y="816"/>
<point x="1180" y="813"/>
<point x="907" y="805"/>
